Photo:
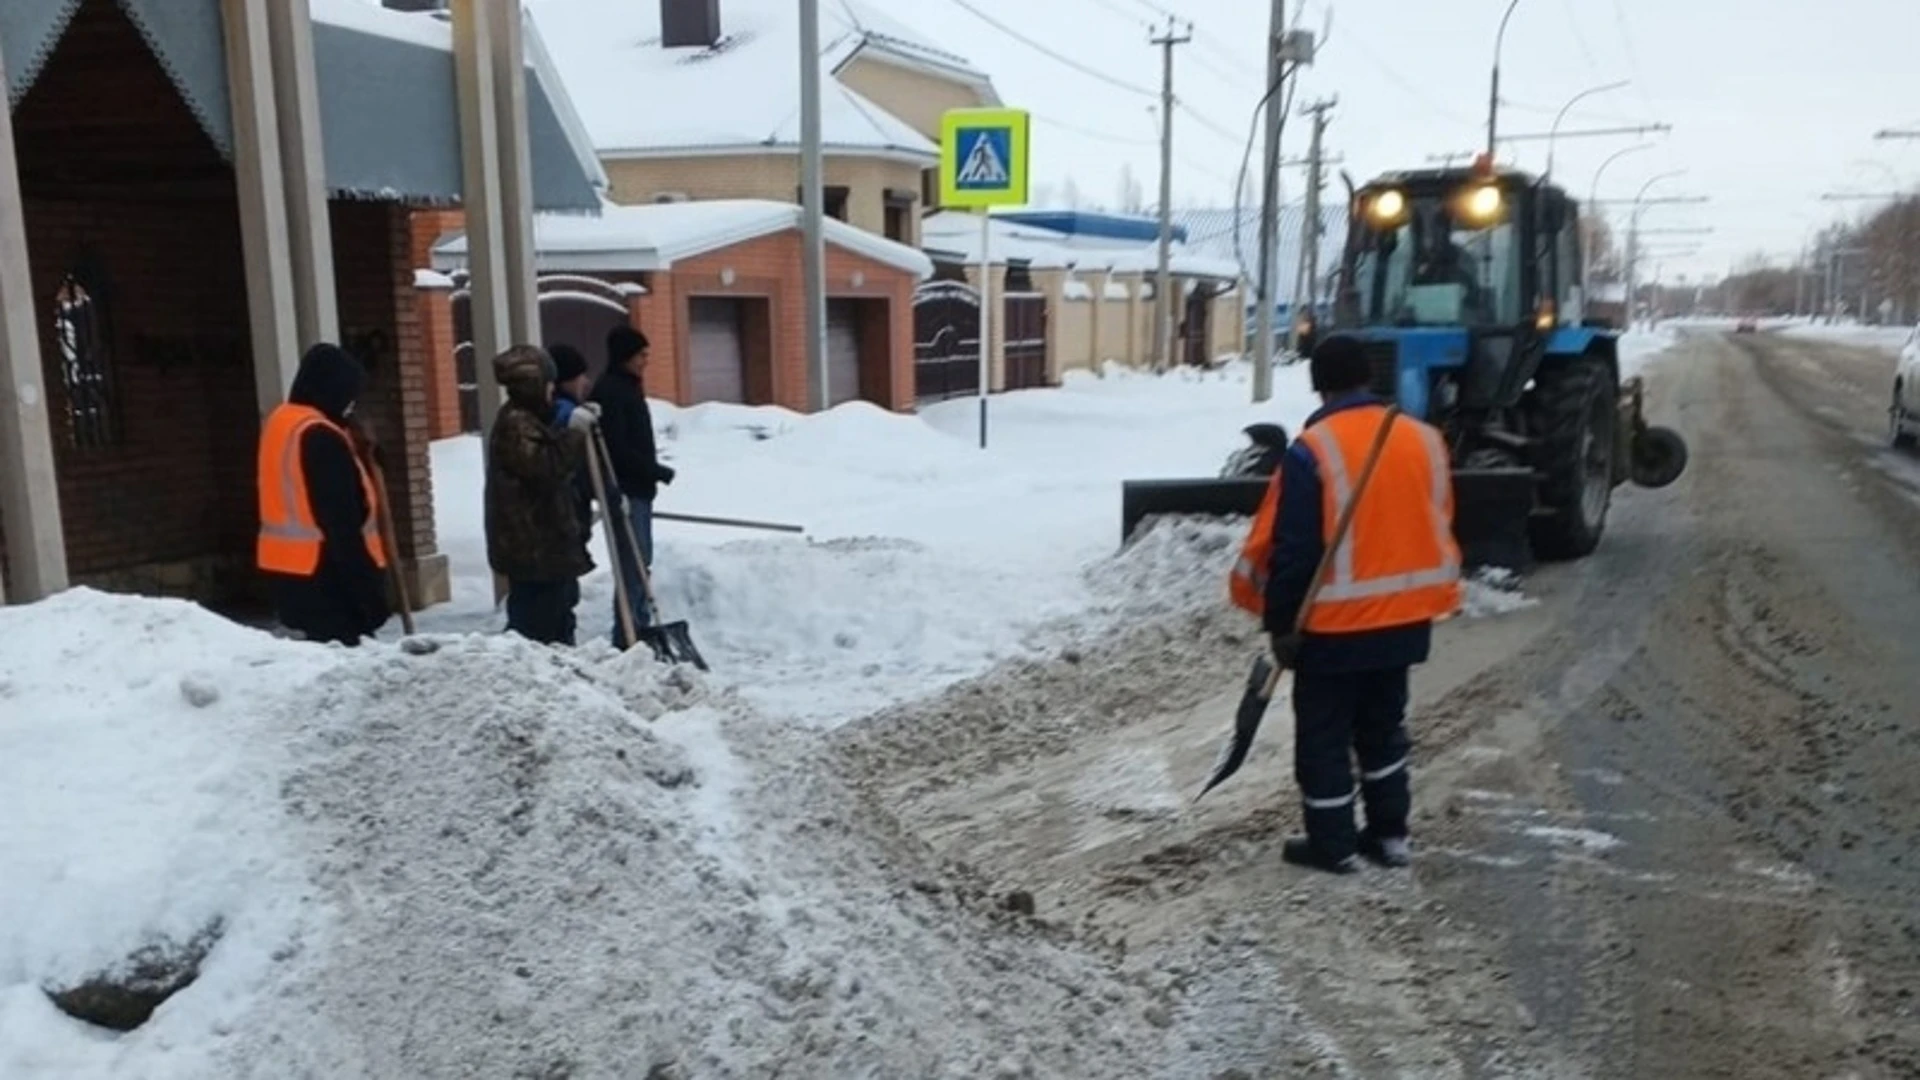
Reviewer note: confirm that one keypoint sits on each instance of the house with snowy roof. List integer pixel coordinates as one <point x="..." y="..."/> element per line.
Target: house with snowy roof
<point x="691" y="102"/>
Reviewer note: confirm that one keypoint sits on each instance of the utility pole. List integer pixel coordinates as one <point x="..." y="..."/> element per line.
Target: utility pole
<point x="1163" y="279"/>
<point x="1310" y="229"/>
<point x="1276" y="120"/>
<point x="813" y="207"/>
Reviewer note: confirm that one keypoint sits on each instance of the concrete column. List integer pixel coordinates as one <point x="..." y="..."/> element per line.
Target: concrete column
<point x="516" y="172"/>
<point x="264" y="238"/>
<point x="1097" y="281"/>
<point x="1053" y="283"/>
<point x="473" y="32"/>
<point x="997" y="332"/>
<point x="303" y="169"/>
<point x="29" y="486"/>
<point x="1136" y="310"/>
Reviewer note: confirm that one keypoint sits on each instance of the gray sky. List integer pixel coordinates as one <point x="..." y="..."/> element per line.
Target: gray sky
<point x="1772" y="102"/>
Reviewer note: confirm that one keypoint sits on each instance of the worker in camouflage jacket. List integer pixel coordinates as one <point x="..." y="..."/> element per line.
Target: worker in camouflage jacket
<point x="535" y="536"/>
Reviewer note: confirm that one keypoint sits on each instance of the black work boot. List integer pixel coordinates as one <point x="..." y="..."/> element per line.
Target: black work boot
<point x="1391" y="852"/>
<point x="1301" y="851"/>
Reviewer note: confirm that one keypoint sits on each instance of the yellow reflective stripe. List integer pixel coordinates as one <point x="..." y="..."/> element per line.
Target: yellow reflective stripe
<point x="1334" y="464"/>
<point x="1368" y="588"/>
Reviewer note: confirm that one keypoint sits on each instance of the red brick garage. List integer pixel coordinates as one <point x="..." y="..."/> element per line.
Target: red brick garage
<point x="724" y="305"/>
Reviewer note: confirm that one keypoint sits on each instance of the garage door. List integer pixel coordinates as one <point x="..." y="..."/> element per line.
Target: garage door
<point x="718" y="361"/>
<point x="843" y="351"/>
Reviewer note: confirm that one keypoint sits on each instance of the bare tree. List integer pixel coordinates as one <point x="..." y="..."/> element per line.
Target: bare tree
<point x="1133" y="197"/>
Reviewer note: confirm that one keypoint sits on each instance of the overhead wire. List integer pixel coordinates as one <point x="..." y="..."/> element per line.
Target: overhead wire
<point x="1051" y="53"/>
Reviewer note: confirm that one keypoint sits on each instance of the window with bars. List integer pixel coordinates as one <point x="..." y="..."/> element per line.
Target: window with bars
<point x="79" y="331"/>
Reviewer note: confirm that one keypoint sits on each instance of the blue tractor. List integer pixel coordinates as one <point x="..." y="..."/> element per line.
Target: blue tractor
<point x="1465" y="286"/>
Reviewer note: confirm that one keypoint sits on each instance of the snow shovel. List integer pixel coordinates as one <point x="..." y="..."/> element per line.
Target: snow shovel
<point x="383" y="514"/>
<point x="672" y="643"/>
<point x="1264" y="679"/>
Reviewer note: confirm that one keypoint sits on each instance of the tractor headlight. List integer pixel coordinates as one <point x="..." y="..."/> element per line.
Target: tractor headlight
<point x="1387" y="209"/>
<point x="1482" y="204"/>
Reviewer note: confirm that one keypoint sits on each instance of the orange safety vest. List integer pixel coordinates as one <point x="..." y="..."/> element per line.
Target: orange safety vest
<point x="1399" y="563"/>
<point x="290" y="539"/>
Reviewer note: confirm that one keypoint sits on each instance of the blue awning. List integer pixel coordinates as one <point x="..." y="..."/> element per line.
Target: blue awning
<point x="389" y="114"/>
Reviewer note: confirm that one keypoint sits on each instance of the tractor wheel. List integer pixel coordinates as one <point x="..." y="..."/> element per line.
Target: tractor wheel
<point x="1573" y="418"/>
<point x="1659" y="457"/>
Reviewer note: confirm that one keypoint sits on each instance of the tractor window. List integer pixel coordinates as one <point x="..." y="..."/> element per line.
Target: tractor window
<point x="1432" y="272"/>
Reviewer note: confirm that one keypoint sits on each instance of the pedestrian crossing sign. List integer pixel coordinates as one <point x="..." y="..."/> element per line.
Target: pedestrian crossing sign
<point x="983" y="158"/>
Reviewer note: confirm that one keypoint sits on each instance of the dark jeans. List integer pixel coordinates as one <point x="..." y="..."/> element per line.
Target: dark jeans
<point x="542" y="611"/>
<point x="640" y="514"/>
<point x="1336" y="718"/>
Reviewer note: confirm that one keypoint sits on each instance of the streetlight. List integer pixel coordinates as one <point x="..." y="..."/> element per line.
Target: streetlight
<point x="1571" y="102"/>
<point x="1593" y="200"/>
<point x="1493" y="96"/>
<point x="1633" y="235"/>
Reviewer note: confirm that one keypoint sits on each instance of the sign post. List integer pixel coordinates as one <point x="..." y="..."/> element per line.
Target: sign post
<point x="983" y="164"/>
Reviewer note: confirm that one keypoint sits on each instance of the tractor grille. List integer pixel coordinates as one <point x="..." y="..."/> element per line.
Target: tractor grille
<point x="1383" y="367"/>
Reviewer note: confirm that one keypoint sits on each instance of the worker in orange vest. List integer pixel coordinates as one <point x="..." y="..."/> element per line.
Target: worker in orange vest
<point x="1396" y="573"/>
<point x="319" y="542"/>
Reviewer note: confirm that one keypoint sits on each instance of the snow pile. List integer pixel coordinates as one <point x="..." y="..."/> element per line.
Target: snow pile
<point x="1884" y="338"/>
<point x="925" y="560"/>
<point x="1640" y="347"/>
<point x="490" y="859"/>
<point x="1493" y="591"/>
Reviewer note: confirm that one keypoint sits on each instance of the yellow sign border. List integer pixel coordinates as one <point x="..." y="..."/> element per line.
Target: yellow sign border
<point x="1018" y="124"/>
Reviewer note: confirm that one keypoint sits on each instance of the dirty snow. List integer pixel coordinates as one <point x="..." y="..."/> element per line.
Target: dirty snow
<point x="494" y="859"/>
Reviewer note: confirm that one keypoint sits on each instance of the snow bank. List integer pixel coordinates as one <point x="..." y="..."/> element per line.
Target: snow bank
<point x="1885" y="338"/>
<point x="925" y="560"/>
<point x="493" y="859"/>
<point x="1641" y="347"/>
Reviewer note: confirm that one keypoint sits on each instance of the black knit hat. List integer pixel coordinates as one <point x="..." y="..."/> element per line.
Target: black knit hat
<point x="623" y="343"/>
<point x="568" y="364"/>
<point x="1338" y="365"/>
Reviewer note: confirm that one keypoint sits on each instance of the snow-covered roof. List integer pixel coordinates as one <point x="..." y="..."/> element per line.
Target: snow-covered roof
<point x="867" y="32"/>
<point x="638" y="99"/>
<point x="956" y="235"/>
<point x="389" y="117"/>
<point x="656" y="235"/>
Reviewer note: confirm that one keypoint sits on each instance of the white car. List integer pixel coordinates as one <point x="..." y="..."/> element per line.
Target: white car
<point x="1903" y="418"/>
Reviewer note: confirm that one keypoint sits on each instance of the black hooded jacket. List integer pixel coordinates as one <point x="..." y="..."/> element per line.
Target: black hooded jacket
<point x="346" y="597"/>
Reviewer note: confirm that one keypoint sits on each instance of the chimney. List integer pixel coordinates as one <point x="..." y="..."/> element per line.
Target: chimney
<point x="689" y="23"/>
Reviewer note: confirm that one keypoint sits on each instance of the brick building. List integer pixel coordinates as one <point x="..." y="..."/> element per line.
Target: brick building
<point x="147" y="292"/>
<point x="717" y="287"/>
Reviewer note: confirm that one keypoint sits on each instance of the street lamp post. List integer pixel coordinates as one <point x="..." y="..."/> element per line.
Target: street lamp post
<point x="1633" y="235"/>
<point x="1571" y="102"/>
<point x="1493" y="95"/>
<point x="1593" y="200"/>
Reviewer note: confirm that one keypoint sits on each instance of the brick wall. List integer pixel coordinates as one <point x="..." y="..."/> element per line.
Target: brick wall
<point x="435" y="317"/>
<point x="373" y="258"/>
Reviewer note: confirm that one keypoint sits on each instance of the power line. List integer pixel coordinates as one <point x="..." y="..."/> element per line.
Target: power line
<point x="1046" y="51"/>
<point x="1580" y="36"/>
<point x="1091" y="133"/>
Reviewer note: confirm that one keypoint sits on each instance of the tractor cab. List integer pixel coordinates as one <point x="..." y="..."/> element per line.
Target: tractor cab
<point x="1470" y="272"/>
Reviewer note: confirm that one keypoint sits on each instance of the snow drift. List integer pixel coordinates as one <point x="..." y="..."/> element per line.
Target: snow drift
<point x="491" y="859"/>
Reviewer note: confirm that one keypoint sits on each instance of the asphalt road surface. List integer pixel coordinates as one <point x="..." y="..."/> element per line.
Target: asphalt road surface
<point x="1667" y="820"/>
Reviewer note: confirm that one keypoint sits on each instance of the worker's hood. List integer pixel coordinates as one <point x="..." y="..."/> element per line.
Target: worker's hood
<point x="330" y="380"/>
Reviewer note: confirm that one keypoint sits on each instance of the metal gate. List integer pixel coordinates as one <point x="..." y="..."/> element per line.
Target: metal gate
<point x="574" y="310"/>
<point x="946" y="340"/>
<point x="1197" y="328"/>
<point x="1026" y="340"/>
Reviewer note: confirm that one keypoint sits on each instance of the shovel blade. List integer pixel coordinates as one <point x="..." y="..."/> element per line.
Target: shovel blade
<point x="672" y="643"/>
<point x="1246" y="724"/>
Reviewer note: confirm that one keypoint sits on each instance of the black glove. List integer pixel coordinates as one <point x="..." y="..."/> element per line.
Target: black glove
<point x="1286" y="649"/>
<point x="664" y="474"/>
